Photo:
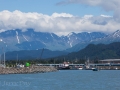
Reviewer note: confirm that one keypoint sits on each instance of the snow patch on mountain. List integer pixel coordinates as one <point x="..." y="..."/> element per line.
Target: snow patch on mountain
<point x="1" y="40"/>
<point x="17" y="37"/>
<point x="70" y="44"/>
<point x="51" y="35"/>
<point x="44" y="43"/>
<point x="25" y="38"/>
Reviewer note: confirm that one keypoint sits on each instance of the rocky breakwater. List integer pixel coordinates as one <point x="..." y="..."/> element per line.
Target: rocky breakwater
<point x="25" y="70"/>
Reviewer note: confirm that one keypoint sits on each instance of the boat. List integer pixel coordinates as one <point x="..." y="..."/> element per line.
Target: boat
<point x="95" y="69"/>
<point x="80" y="68"/>
<point x="64" y="66"/>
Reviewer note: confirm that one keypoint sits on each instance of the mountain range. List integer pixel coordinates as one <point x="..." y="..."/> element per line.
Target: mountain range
<point x="107" y="39"/>
<point x="15" y="40"/>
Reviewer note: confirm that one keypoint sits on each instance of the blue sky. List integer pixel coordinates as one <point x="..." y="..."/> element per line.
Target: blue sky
<point x="60" y="16"/>
<point x="49" y="7"/>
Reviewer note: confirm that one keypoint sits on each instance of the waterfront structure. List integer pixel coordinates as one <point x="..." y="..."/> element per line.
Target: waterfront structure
<point x="110" y="61"/>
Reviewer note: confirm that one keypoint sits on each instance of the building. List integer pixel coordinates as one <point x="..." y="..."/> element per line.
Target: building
<point x="109" y="61"/>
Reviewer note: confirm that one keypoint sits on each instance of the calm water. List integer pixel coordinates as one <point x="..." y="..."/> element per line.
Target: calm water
<point x="63" y="80"/>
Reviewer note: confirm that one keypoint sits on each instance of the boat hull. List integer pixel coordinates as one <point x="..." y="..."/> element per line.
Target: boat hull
<point x="63" y="68"/>
<point x="95" y="69"/>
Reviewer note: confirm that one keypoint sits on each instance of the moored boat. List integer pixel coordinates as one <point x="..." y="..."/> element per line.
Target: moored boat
<point x="95" y="69"/>
<point x="64" y="66"/>
<point x="80" y="68"/>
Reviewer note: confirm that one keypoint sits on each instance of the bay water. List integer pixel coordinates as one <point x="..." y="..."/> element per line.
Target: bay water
<point x="63" y="80"/>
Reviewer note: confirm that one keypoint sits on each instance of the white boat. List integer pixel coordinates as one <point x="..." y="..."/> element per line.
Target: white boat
<point x="80" y="68"/>
<point x="64" y="66"/>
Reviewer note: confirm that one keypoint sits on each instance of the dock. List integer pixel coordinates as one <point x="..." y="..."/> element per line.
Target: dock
<point x="101" y="66"/>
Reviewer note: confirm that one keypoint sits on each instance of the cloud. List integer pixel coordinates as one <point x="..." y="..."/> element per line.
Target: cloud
<point x="59" y="23"/>
<point x="89" y="2"/>
<point x="107" y="5"/>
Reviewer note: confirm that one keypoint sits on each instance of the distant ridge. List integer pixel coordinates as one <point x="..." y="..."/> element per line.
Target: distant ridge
<point x="96" y="52"/>
<point x="33" y="54"/>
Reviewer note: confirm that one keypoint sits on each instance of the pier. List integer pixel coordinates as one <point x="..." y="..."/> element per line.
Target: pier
<point x="101" y="66"/>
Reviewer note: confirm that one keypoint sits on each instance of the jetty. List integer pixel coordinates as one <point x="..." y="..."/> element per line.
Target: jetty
<point x="27" y="70"/>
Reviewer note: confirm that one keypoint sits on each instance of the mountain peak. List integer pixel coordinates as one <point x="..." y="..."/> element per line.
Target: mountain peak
<point x="70" y="34"/>
<point x="116" y="33"/>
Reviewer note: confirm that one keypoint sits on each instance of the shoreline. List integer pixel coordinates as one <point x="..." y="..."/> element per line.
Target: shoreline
<point x="27" y="70"/>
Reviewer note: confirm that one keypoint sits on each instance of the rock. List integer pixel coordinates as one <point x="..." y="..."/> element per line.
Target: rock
<point x="24" y="70"/>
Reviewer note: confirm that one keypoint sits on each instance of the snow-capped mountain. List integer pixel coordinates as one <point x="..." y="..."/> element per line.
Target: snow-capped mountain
<point x="17" y="40"/>
<point x="114" y="37"/>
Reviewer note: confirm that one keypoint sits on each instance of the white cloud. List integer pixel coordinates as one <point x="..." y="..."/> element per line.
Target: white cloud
<point x="105" y="15"/>
<point x="61" y="15"/>
<point x="107" y="5"/>
<point x="61" y="24"/>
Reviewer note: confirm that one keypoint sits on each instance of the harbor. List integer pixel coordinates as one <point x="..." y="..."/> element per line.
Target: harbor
<point x="42" y="68"/>
<point x="85" y="67"/>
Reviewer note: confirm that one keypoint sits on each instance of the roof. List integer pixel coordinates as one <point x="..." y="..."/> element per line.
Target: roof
<point x="110" y="60"/>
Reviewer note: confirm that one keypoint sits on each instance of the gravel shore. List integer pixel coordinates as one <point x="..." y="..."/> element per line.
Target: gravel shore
<point x="25" y="70"/>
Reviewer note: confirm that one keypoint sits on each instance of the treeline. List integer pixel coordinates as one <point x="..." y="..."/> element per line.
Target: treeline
<point x="96" y="52"/>
<point x="11" y="63"/>
<point x="32" y="54"/>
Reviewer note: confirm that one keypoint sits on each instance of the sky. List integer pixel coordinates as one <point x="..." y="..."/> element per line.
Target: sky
<point x="60" y="16"/>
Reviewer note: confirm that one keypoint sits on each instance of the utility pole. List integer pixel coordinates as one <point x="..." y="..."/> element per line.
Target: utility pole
<point x="17" y="59"/>
<point x="1" y="56"/>
<point x="4" y="59"/>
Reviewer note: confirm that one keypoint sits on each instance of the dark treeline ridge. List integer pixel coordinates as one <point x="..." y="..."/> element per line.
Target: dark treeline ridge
<point x="32" y="54"/>
<point x="96" y="52"/>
